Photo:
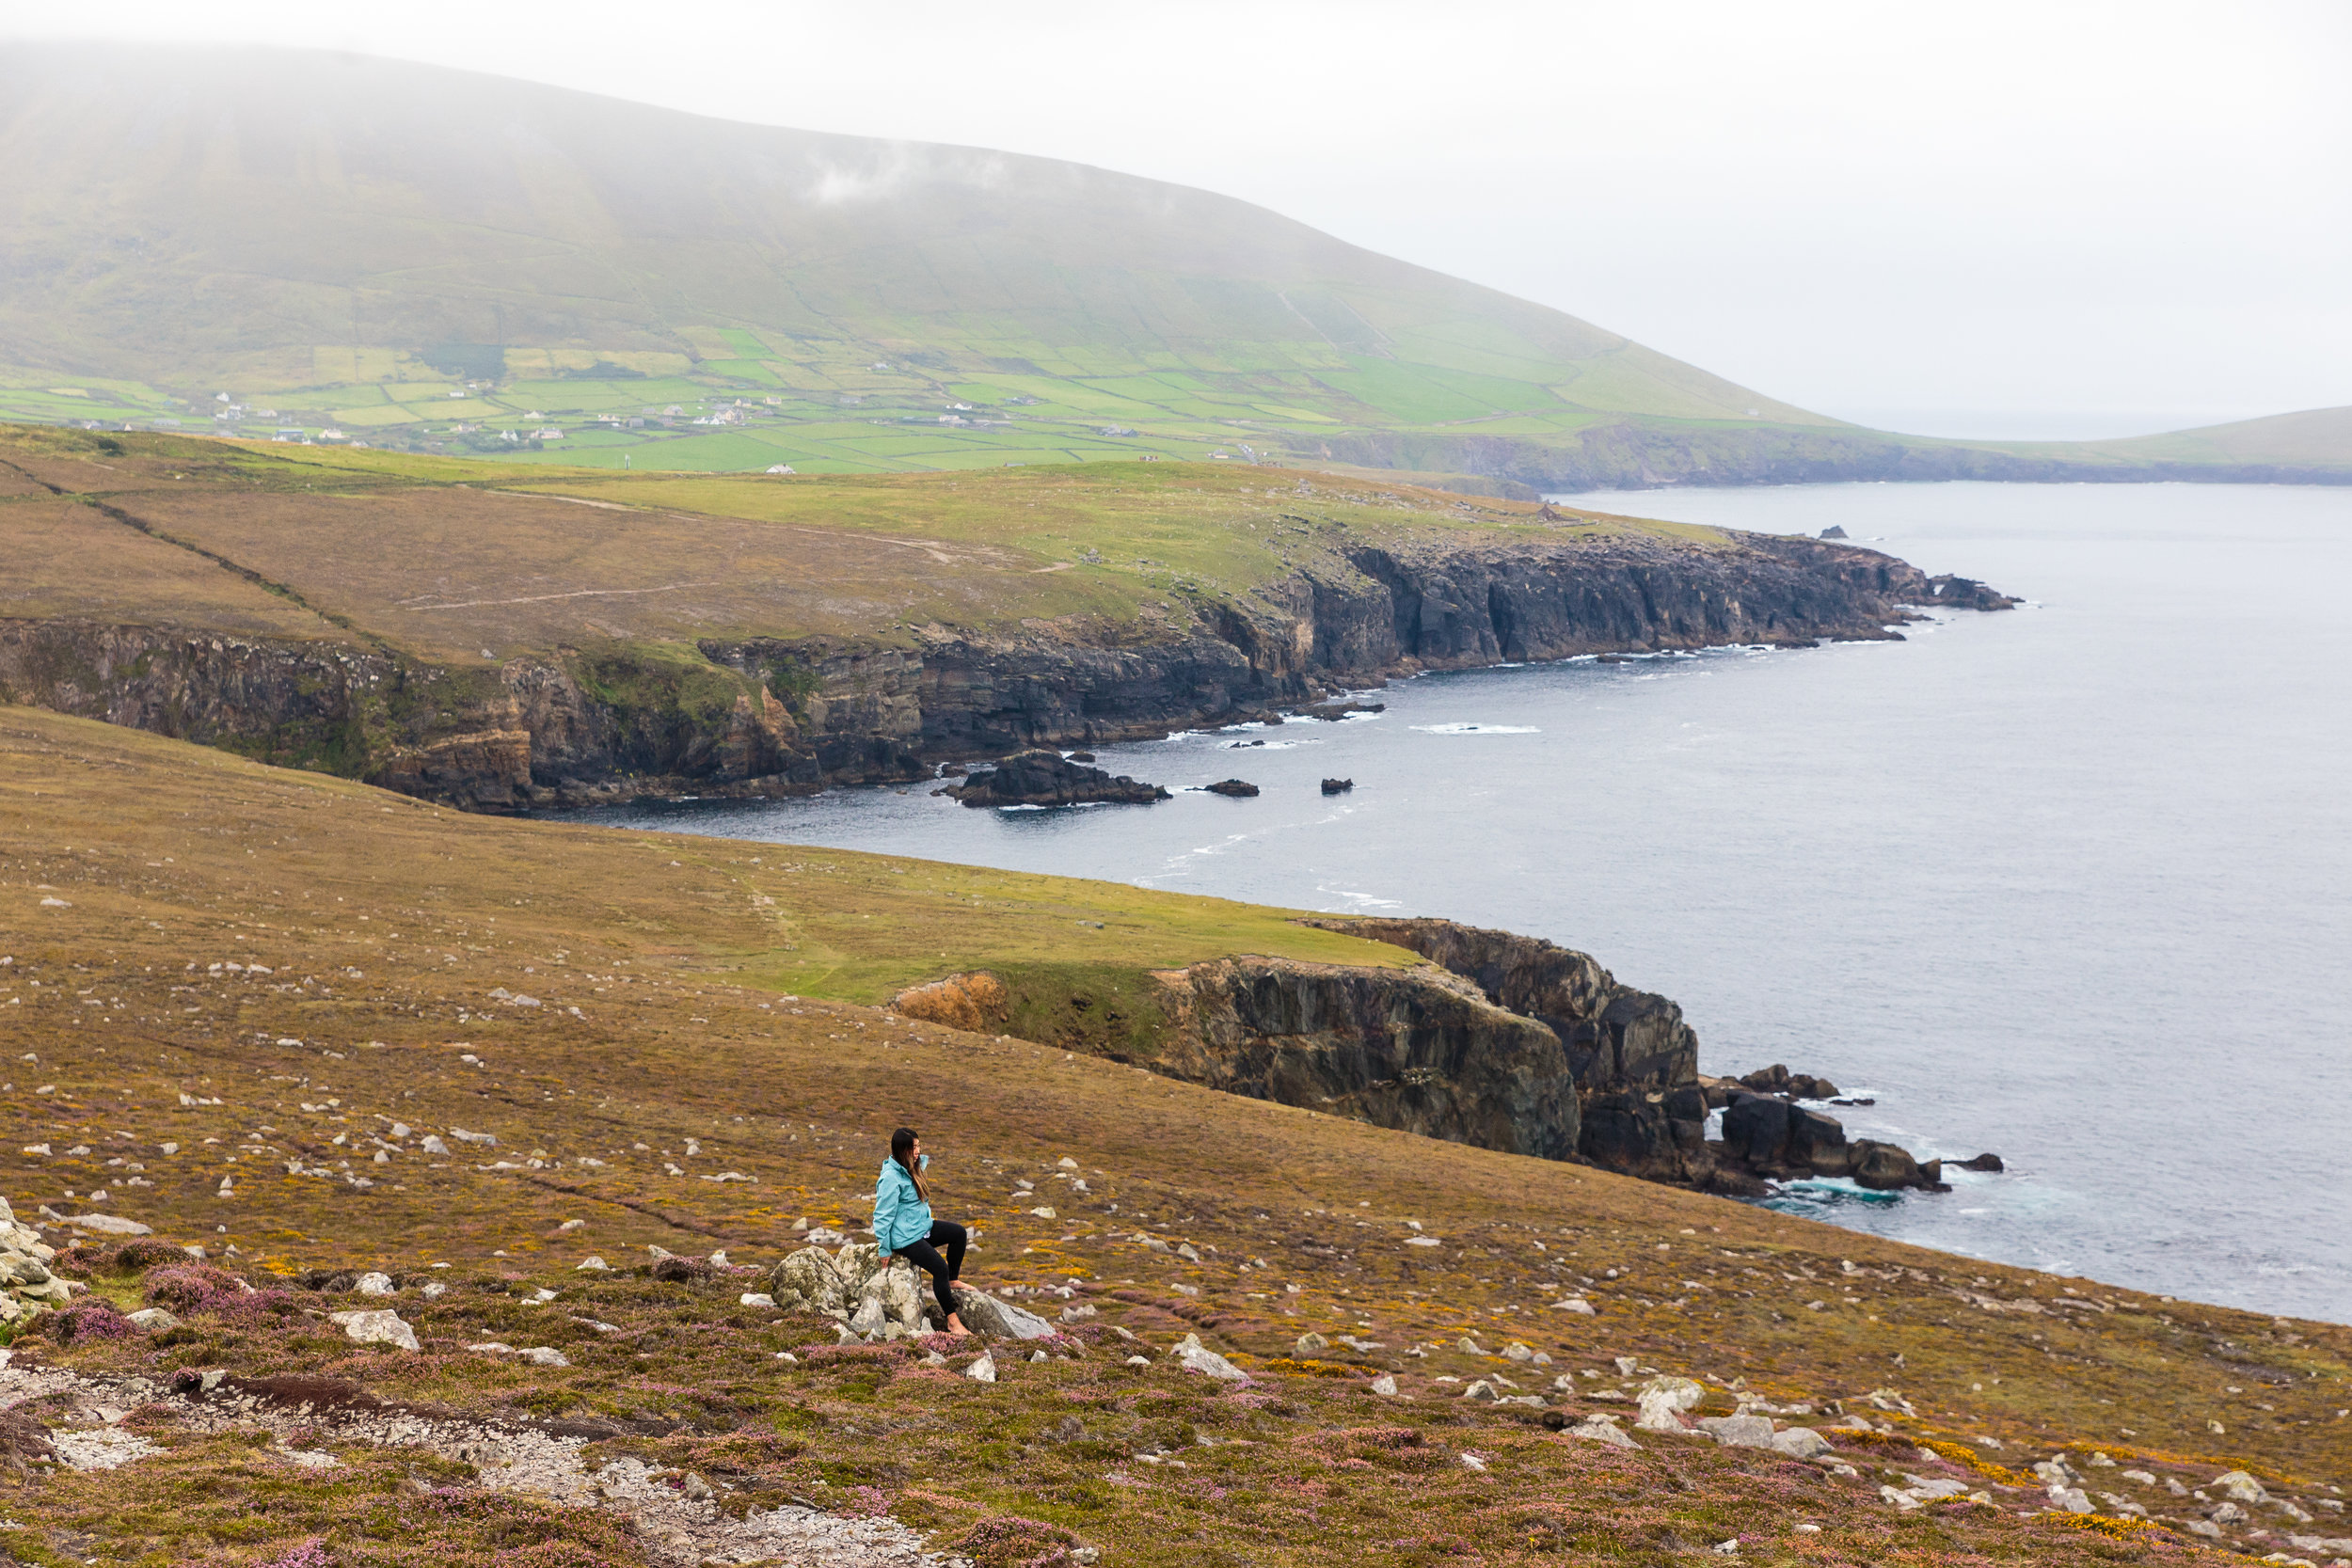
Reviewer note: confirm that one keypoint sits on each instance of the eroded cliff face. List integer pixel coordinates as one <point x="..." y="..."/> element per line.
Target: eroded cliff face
<point x="1413" y="1050"/>
<point x="1634" y="1060"/>
<point x="780" y="716"/>
<point x="1504" y="1041"/>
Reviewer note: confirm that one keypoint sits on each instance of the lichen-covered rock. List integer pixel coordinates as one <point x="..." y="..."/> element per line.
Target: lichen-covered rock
<point x="991" y="1318"/>
<point x="1197" y="1357"/>
<point x="379" y="1326"/>
<point x="27" y="1286"/>
<point x="879" y="1296"/>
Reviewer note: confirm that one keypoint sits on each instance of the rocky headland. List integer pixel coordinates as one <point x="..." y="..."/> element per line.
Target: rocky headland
<point x="1385" y="585"/>
<point x="1501" y="1042"/>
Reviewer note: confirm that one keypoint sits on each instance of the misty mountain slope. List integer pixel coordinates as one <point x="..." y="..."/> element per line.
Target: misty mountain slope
<point x="184" y="216"/>
<point x="332" y="248"/>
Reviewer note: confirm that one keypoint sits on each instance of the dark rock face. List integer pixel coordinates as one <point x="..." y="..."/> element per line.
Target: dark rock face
<point x="1983" y="1162"/>
<point x="1239" y="789"/>
<point x="1771" y="1138"/>
<point x="1408" y="1050"/>
<point x="1338" y="787"/>
<point x="1045" y="778"/>
<point x="1777" y="1079"/>
<point x="1634" y="1060"/>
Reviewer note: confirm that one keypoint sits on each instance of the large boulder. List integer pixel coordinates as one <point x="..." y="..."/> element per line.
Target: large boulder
<point x="807" y="1281"/>
<point x="991" y="1318"/>
<point x="857" y="1284"/>
<point x="1885" y="1169"/>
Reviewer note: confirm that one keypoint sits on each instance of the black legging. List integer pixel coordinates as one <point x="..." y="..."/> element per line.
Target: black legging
<point x="925" y="1256"/>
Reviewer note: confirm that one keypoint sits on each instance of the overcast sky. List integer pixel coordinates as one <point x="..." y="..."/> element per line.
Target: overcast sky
<point x="1997" y="218"/>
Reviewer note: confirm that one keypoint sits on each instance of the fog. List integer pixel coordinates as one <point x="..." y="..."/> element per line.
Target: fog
<point x="1999" y="219"/>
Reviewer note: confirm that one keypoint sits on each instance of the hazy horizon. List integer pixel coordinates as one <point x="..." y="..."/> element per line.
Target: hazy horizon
<point x="2134" y="225"/>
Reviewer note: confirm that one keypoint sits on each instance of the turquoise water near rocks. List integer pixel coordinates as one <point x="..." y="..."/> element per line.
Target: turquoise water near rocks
<point x="2072" y="883"/>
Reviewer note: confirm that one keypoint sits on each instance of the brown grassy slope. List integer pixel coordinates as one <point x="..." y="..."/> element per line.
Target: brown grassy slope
<point x="444" y="558"/>
<point x="385" y="927"/>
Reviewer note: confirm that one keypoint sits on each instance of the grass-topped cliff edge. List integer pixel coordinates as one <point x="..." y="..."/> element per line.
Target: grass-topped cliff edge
<point x="618" y="1010"/>
<point x="503" y="637"/>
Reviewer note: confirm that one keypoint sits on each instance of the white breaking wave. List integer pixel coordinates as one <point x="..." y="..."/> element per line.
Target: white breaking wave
<point x="1478" y="729"/>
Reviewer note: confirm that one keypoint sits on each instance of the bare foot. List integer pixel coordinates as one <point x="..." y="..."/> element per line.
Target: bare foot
<point x="955" y="1326"/>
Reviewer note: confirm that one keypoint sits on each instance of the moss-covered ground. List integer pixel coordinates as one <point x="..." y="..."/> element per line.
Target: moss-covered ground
<point x="223" y="975"/>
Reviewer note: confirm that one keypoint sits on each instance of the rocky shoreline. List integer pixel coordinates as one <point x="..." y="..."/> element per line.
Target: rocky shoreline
<point x="1503" y="1042"/>
<point x="771" y="717"/>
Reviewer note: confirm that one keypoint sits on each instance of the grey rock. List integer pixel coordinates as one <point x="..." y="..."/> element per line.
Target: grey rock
<point x="1801" y="1442"/>
<point x="377" y="1325"/>
<point x="153" y="1319"/>
<point x="1197" y="1357"/>
<point x="1597" y="1428"/>
<point x="1738" y="1432"/>
<point x="994" y="1319"/>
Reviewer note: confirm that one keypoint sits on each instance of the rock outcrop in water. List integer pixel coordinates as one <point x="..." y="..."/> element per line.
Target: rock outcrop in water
<point x="770" y="716"/>
<point x="1042" y="777"/>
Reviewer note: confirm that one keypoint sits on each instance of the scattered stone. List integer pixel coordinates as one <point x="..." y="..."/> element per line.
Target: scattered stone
<point x="1518" y="1352"/>
<point x="544" y="1355"/>
<point x="592" y="1265"/>
<point x="373" y="1284"/>
<point x="110" y="1224"/>
<point x="153" y="1319"/>
<point x="1481" y="1392"/>
<point x="1385" y="1385"/>
<point x="1801" y="1442"/>
<point x="1600" y="1428"/>
<point x="1469" y="1346"/>
<point x="379" y="1326"/>
<point x="1311" y="1343"/>
<point x="995" y="1318"/>
<point x="1239" y="789"/>
<point x="982" y="1371"/>
<point x="1738" y="1432"/>
<point x="1575" y="1303"/>
<point x="1331" y="713"/>
<point x="1197" y="1357"/>
<point x="758" y="1298"/>
<point x="2238" y="1486"/>
<point x="1663" y="1399"/>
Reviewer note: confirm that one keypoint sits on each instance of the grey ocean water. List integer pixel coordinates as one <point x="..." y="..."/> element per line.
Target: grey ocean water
<point x="2072" y="883"/>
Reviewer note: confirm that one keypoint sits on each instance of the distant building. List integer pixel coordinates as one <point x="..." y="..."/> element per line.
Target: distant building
<point x="781" y="469"/>
<point x="550" y="434"/>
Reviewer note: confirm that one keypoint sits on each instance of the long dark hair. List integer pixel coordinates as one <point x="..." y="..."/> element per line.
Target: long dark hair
<point x="902" y="1150"/>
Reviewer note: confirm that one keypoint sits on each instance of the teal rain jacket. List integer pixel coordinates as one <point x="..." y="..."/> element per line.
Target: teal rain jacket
<point x="901" y="1217"/>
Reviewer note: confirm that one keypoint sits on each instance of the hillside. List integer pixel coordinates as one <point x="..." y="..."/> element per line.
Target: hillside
<point x="353" y="250"/>
<point x="504" y="635"/>
<point x="349" y="243"/>
<point x="246" y="996"/>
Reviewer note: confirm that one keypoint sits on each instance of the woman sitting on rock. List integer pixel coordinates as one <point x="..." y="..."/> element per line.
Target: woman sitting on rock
<point x="904" y="1226"/>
